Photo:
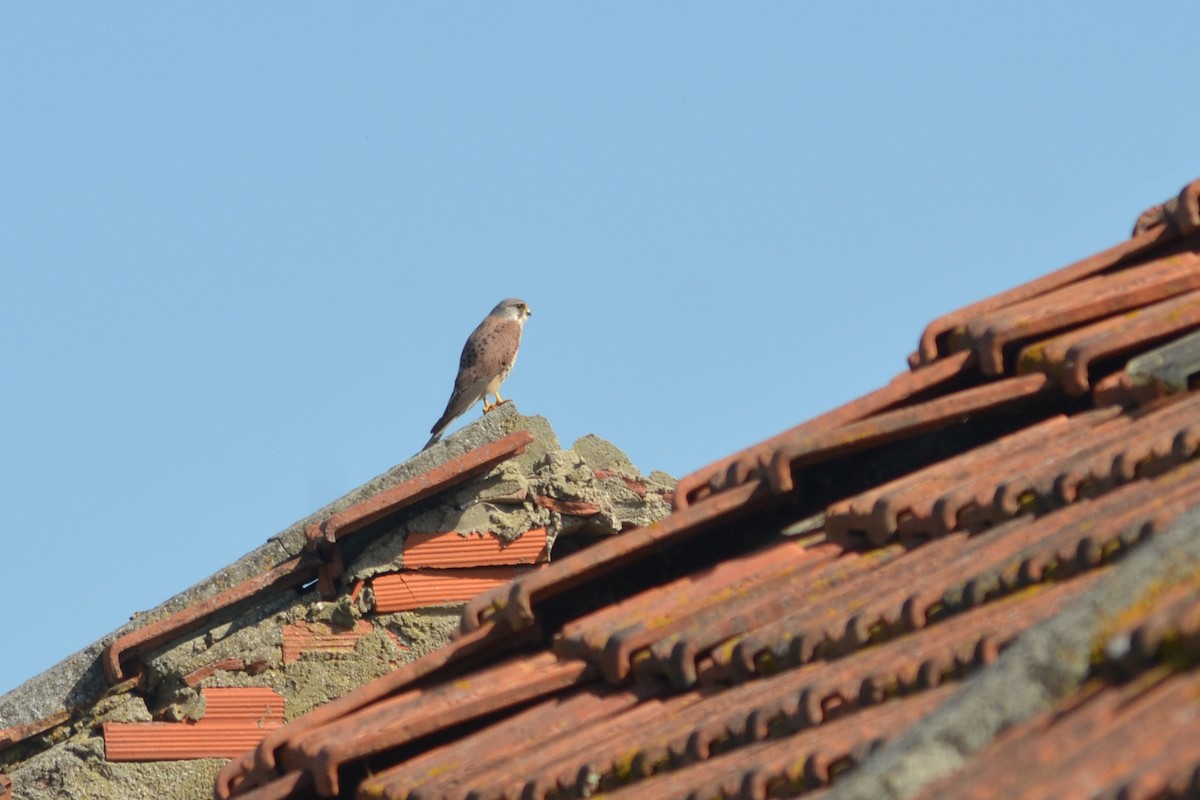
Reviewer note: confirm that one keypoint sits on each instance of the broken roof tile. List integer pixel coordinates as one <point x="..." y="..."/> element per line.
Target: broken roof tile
<point x="323" y="559"/>
<point x="198" y="676"/>
<point x="235" y="719"/>
<point x="18" y="733"/>
<point x="304" y="636"/>
<point x="292" y="572"/>
<point x="410" y="589"/>
<point x="475" y="549"/>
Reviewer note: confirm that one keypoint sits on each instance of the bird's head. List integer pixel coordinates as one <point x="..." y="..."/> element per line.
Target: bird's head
<point x="513" y="309"/>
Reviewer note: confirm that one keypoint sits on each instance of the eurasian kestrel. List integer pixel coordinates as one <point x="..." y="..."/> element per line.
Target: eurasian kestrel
<point x="487" y="358"/>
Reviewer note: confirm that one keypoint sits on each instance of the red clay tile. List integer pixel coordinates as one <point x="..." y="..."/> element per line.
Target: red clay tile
<point x="197" y="676"/>
<point x="543" y="729"/>
<point x="19" y="733"/>
<point x="411" y="589"/>
<point x="442" y="477"/>
<point x="933" y="339"/>
<point x="690" y="727"/>
<point x="1069" y="356"/>
<point x="1172" y="622"/>
<point x="1078" y="303"/>
<point x="614" y="635"/>
<point x="787" y="765"/>
<point x="1179" y="215"/>
<point x="904" y="423"/>
<point x="930" y="500"/>
<point x="309" y="637"/>
<point x="235" y="719"/>
<point x="574" y="508"/>
<point x="453" y="549"/>
<point x="753" y="462"/>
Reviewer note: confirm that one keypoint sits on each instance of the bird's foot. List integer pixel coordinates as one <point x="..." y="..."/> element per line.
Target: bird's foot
<point x="493" y="406"/>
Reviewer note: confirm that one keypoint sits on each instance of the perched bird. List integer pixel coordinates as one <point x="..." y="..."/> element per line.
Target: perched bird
<point x="487" y="358"/>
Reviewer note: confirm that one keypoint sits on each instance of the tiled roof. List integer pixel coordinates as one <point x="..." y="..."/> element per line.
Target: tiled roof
<point x="978" y="579"/>
<point x="983" y="574"/>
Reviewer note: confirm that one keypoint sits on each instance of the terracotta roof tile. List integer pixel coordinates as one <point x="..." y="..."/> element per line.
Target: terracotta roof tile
<point x="738" y="468"/>
<point x="410" y="589"/>
<point x="1069" y="357"/>
<point x="612" y="636"/>
<point x="453" y="549"/>
<point x="988" y="335"/>
<point x="309" y="637"/>
<point x="234" y="719"/>
<point x="784" y="766"/>
<point x="1122" y="253"/>
<point x="547" y="734"/>
<point x="19" y="733"/>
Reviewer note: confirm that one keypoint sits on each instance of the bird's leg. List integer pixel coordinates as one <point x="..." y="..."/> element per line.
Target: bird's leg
<point x="493" y="406"/>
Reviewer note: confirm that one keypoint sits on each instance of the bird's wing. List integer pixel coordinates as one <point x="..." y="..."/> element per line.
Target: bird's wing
<point x="474" y="372"/>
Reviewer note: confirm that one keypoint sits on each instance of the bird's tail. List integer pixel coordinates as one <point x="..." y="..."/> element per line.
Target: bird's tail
<point x="437" y="434"/>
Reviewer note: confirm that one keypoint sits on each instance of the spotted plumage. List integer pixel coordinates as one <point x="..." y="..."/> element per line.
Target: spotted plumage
<point x="487" y="358"/>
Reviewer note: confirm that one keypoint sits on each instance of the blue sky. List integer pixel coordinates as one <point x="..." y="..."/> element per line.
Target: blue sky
<point x="242" y="244"/>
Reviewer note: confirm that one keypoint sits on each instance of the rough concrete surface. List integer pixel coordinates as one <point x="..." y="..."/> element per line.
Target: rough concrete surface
<point x="77" y="771"/>
<point x="593" y="478"/>
<point x="243" y="646"/>
<point x="1046" y="663"/>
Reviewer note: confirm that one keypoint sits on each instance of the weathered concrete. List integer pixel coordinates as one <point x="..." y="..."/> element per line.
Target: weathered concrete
<point x="593" y="473"/>
<point x="1045" y="664"/>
